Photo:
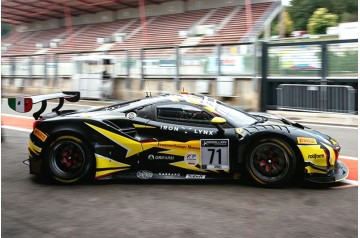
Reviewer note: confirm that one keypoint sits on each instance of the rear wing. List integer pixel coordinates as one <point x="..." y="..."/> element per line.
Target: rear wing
<point x="25" y="104"/>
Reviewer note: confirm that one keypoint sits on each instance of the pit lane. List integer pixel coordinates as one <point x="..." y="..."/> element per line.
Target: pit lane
<point x="31" y="208"/>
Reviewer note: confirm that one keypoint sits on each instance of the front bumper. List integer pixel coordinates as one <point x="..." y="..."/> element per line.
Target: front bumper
<point x="340" y="172"/>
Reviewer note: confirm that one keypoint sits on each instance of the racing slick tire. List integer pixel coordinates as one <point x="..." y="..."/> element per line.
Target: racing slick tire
<point x="271" y="162"/>
<point x="69" y="160"/>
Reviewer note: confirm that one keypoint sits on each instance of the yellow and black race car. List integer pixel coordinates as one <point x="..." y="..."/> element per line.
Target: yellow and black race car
<point x="181" y="136"/>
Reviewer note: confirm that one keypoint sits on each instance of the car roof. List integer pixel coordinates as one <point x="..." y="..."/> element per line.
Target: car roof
<point x="176" y="98"/>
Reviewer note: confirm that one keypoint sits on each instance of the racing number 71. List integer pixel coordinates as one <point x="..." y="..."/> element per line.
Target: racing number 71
<point x="213" y="154"/>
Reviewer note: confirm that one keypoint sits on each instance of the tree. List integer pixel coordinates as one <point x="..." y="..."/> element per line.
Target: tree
<point x="301" y="10"/>
<point x="320" y="20"/>
<point x="289" y="25"/>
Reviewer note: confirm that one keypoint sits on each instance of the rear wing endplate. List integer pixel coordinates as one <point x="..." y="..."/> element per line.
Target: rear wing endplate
<point x="25" y="104"/>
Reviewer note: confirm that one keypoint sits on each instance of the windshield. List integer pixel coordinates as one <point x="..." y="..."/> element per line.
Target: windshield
<point x="234" y="116"/>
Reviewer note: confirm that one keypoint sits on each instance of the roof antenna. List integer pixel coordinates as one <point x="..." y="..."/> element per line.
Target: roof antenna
<point x="149" y="89"/>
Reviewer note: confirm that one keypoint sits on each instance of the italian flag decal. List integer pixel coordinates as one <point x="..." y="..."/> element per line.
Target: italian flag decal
<point x="20" y="104"/>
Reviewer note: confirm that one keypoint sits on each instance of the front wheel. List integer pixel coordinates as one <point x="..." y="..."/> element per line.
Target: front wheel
<point x="271" y="162"/>
<point x="69" y="160"/>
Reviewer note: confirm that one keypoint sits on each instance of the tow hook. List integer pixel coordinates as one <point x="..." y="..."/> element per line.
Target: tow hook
<point x="27" y="162"/>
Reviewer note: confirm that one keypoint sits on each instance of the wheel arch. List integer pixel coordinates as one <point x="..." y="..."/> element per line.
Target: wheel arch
<point x="68" y="132"/>
<point x="266" y="135"/>
<point x="77" y="137"/>
<point x="285" y="142"/>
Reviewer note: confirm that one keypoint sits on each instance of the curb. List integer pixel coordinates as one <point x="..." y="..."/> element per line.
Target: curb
<point x="324" y="118"/>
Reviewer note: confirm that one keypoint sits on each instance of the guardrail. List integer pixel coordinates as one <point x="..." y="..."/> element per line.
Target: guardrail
<point x="316" y="98"/>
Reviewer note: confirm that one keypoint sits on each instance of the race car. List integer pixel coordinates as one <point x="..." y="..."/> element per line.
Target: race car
<point x="174" y="136"/>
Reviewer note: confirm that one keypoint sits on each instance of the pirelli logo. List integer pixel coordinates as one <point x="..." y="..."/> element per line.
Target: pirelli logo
<point x="308" y="141"/>
<point x="39" y="134"/>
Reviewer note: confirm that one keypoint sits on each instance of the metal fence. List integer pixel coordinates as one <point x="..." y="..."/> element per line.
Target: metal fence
<point x="318" y="98"/>
<point x="331" y="62"/>
<point x="318" y="63"/>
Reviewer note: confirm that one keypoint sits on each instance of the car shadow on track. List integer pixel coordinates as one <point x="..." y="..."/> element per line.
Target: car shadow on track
<point x="242" y="183"/>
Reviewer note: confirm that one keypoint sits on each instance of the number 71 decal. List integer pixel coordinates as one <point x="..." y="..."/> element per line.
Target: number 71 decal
<point x="215" y="154"/>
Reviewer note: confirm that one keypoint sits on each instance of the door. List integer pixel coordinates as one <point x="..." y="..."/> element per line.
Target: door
<point x="183" y="139"/>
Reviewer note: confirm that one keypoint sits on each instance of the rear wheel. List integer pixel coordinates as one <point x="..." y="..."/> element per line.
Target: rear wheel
<point x="69" y="160"/>
<point x="271" y="162"/>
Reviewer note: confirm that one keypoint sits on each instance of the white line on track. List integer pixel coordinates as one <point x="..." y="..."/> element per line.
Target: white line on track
<point x="353" y="182"/>
<point x="16" y="128"/>
<point x="347" y="184"/>
<point x="347" y="157"/>
<point x="84" y="105"/>
<point x="12" y="115"/>
<point x="332" y="126"/>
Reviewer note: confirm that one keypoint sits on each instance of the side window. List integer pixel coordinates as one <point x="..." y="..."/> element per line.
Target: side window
<point x="142" y="112"/>
<point x="180" y="112"/>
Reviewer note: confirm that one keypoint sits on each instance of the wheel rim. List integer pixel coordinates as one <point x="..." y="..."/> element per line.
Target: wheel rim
<point x="67" y="159"/>
<point x="269" y="162"/>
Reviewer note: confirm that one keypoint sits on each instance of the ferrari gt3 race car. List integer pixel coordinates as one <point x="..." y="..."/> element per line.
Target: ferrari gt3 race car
<point x="180" y="136"/>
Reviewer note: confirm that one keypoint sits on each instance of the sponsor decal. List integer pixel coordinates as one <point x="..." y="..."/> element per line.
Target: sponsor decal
<point x="170" y="174"/>
<point x="316" y="156"/>
<point x="311" y="154"/>
<point x="195" y="176"/>
<point x="144" y="174"/>
<point x="173" y="146"/>
<point x="215" y="154"/>
<point x="191" y="158"/>
<point x="131" y="115"/>
<point x="217" y="143"/>
<point x="169" y="128"/>
<point x="161" y="157"/>
<point x="203" y="132"/>
<point x="304" y="140"/>
<point x="20" y="104"/>
<point x="190" y="147"/>
<point x="39" y="134"/>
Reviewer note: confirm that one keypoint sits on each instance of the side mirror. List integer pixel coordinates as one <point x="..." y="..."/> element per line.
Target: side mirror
<point x="218" y="121"/>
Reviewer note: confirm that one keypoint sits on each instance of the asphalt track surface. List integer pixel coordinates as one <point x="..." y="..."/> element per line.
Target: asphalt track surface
<point x="32" y="208"/>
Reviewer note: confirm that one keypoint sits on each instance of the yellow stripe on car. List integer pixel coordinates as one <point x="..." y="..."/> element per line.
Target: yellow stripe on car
<point x="33" y="148"/>
<point x="133" y="147"/>
<point x="107" y="172"/>
<point x="103" y="162"/>
<point x="143" y="126"/>
<point x="311" y="170"/>
<point x="313" y="154"/>
<point x="184" y="165"/>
